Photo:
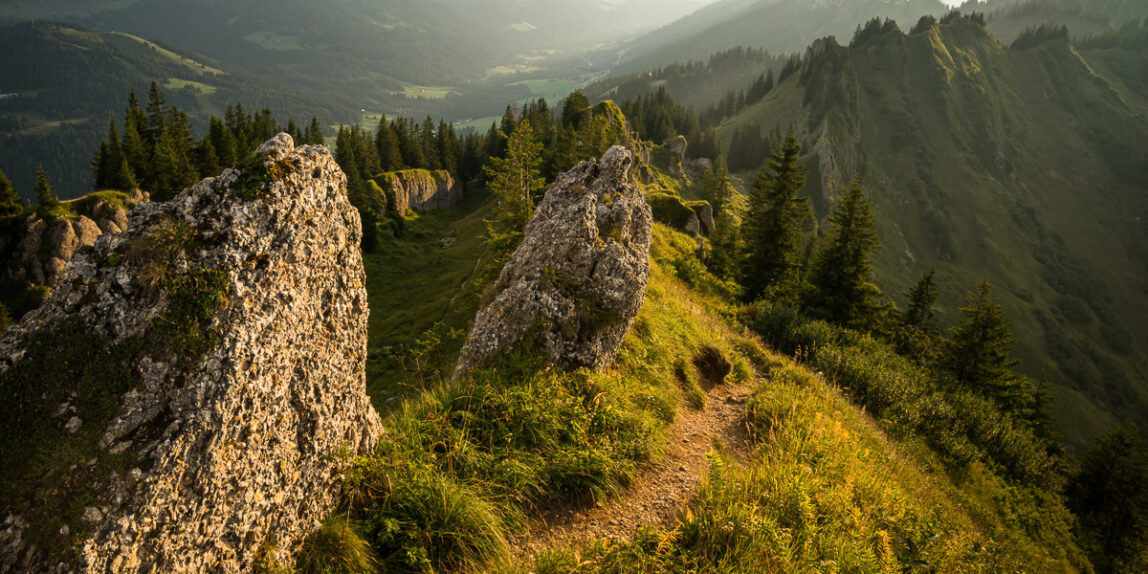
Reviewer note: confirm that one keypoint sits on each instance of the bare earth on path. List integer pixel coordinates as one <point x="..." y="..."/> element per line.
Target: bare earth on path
<point x="660" y="490"/>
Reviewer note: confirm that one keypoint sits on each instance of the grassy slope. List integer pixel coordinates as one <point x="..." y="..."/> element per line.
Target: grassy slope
<point x="829" y="489"/>
<point x="414" y="282"/>
<point x="1015" y="166"/>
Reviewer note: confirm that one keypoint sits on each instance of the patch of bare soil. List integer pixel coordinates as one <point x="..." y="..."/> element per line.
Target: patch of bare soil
<point x="662" y="488"/>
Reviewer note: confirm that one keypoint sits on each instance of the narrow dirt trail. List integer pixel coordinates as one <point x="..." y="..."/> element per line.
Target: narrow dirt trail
<point x="662" y="488"/>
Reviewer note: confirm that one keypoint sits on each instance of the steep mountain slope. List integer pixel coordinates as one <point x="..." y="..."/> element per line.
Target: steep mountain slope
<point x="776" y="25"/>
<point x="1022" y="166"/>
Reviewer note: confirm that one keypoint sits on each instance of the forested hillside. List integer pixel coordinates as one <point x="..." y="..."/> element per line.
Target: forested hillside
<point x="1018" y="164"/>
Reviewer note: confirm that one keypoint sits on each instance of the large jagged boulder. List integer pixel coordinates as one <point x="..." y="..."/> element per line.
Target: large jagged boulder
<point x="188" y="396"/>
<point x="417" y="189"/>
<point x="574" y="286"/>
<point x="37" y="251"/>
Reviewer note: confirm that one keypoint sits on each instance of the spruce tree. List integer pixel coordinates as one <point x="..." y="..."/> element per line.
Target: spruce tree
<point x="775" y="222"/>
<point x="315" y="133"/>
<point x="45" y="197"/>
<point x="9" y="200"/>
<point x="430" y="145"/>
<point x="514" y="179"/>
<point x="126" y="181"/>
<point x="978" y="350"/>
<point x="156" y="114"/>
<point x="136" y="148"/>
<point x="922" y="297"/>
<point x="387" y="146"/>
<point x="446" y="140"/>
<point x="106" y="167"/>
<point x="841" y="290"/>
<point x="718" y="190"/>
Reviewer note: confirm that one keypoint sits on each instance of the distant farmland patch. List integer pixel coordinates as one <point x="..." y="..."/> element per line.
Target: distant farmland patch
<point x="178" y="84"/>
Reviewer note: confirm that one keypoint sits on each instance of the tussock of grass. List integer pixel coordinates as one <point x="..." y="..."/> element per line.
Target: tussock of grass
<point x="336" y="548"/>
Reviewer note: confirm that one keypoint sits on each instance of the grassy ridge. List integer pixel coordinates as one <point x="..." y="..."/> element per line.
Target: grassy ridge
<point x="466" y="463"/>
<point x="1016" y="165"/>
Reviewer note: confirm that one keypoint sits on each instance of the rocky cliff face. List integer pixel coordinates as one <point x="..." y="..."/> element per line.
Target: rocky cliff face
<point x="418" y="189"/>
<point x="39" y="249"/>
<point x="574" y="286"/>
<point x="188" y="395"/>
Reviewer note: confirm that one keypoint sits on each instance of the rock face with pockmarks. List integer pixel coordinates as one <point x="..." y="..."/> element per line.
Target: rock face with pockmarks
<point x="574" y="286"/>
<point x="191" y="391"/>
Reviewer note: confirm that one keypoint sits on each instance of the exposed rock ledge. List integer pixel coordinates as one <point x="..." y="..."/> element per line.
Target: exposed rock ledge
<point x="236" y="315"/>
<point x="574" y="286"/>
<point x="417" y="189"/>
<point x="44" y="245"/>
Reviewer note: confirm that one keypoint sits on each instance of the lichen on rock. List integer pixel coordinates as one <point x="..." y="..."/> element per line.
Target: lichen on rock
<point x="193" y="386"/>
<point x="573" y="287"/>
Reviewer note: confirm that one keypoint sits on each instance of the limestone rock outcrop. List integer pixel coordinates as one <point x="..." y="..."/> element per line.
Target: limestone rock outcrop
<point x="197" y="382"/>
<point x="574" y="286"/>
<point x="418" y="189"/>
<point x="39" y="251"/>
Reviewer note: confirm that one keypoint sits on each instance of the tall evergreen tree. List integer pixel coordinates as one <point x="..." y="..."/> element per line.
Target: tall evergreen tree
<point x="9" y="200"/>
<point x="777" y="217"/>
<point x="978" y="351"/>
<point x="109" y="157"/>
<point x="45" y="197"/>
<point x="922" y="297"/>
<point x="136" y="148"/>
<point x="387" y="146"/>
<point x="314" y="135"/>
<point x="126" y="180"/>
<point x="717" y="188"/>
<point x="842" y="291"/>
<point x="514" y="179"/>
<point x="156" y="114"/>
<point x="223" y="142"/>
<point x="430" y="145"/>
<point x="447" y="142"/>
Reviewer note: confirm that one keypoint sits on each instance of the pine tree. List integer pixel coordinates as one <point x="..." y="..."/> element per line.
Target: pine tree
<point x="156" y="114"/>
<point x="9" y="200"/>
<point x="126" y="180"/>
<point x="430" y="145"/>
<point x="978" y="350"/>
<point x="1040" y="416"/>
<point x="387" y="146"/>
<point x="515" y="179"/>
<point x="447" y="142"/>
<point x="45" y="197"/>
<point x="922" y="297"/>
<point x="775" y="222"/>
<point x="223" y="142"/>
<point x="1109" y="495"/>
<point x="206" y="160"/>
<point x="842" y="291"/>
<point x="314" y="135"/>
<point x="136" y="148"/>
<point x="717" y="188"/>
<point x="106" y="167"/>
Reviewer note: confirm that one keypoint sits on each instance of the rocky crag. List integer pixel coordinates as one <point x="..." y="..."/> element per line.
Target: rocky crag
<point x="36" y="250"/>
<point x="574" y="286"/>
<point x="188" y="395"/>
<point x="416" y="189"/>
